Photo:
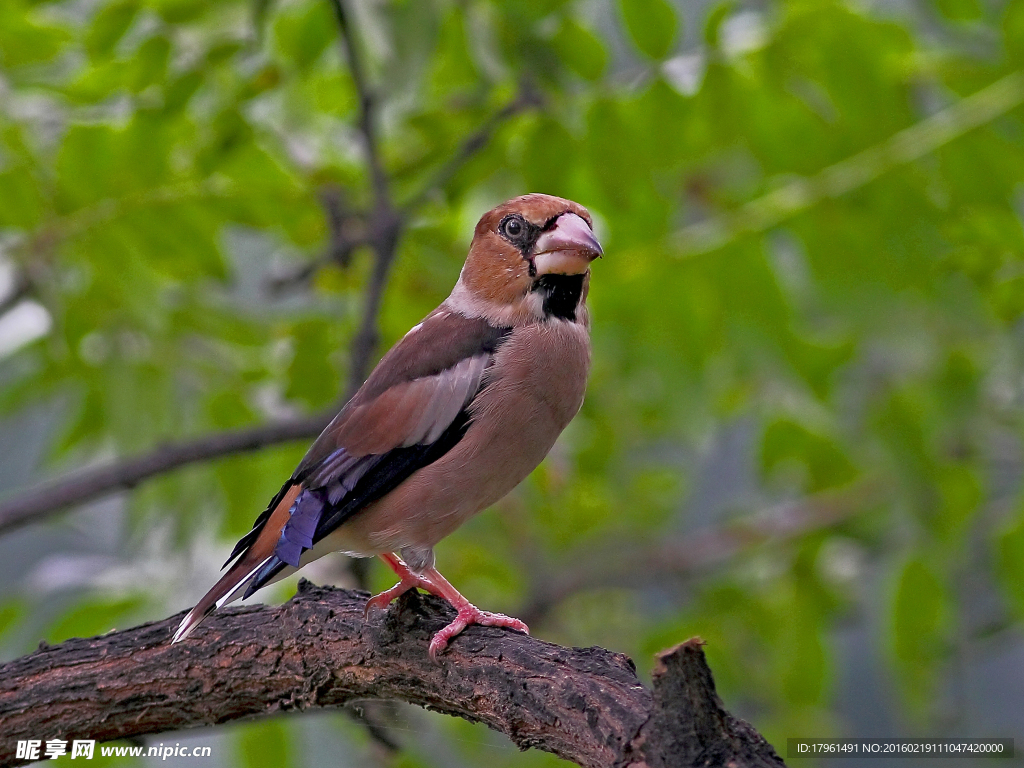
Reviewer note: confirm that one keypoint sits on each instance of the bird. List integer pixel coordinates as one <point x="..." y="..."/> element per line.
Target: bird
<point x="454" y="416"/>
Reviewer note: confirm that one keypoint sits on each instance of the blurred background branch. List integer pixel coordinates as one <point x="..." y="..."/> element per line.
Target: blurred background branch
<point x="380" y="229"/>
<point x="19" y="289"/>
<point x="86" y="485"/>
<point x="854" y="172"/>
<point x="384" y="225"/>
<point x="694" y="554"/>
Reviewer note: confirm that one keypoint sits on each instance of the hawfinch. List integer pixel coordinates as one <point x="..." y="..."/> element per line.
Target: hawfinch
<point x="453" y="417"/>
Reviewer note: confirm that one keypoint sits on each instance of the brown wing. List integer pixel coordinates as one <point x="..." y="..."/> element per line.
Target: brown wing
<point x="415" y="384"/>
<point x="409" y="413"/>
<point x="412" y="412"/>
<point x="407" y="394"/>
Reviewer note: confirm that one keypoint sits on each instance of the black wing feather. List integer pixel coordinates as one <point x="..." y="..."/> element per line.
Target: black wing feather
<point x="257" y="527"/>
<point x="391" y="470"/>
<point x="450" y="338"/>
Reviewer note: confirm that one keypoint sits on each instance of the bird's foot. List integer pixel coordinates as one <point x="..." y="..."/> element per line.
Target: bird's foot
<point x="383" y="600"/>
<point x="436" y="584"/>
<point x="470" y="614"/>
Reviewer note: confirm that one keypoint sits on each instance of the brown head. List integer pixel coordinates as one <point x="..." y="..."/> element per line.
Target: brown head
<point x="529" y="260"/>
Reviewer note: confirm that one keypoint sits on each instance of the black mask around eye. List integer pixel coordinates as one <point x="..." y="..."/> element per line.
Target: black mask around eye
<point x="521" y="233"/>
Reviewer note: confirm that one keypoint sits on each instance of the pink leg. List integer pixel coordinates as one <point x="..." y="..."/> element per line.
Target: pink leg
<point x="436" y="584"/>
<point x="468" y="614"/>
<point x="409" y="580"/>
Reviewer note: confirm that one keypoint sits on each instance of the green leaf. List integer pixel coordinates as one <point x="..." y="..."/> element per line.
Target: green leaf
<point x="222" y="52"/>
<point x="822" y="462"/>
<point x="580" y="49"/>
<point x="549" y="150"/>
<point x="264" y="744"/>
<point x="98" y="82"/>
<point x="180" y="90"/>
<point x="312" y="379"/>
<point x="10" y="613"/>
<point x="303" y="32"/>
<point x="920" y="630"/>
<point x="1013" y="30"/>
<point x="453" y="67"/>
<point x="804" y="656"/>
<point x="21" y="204"/>
<point x="651" y="24"/>
<point x="26" y="38"/>
<point x="86" y="165"/>
<point x="266" y="78"/>
<point x="109" y="25"/>
<point x="180" y="11"/>
<point x="961" y="491"/>
<point x="716" y="18"/>
<point x="1010" y="564"/>
<point x="150" y="63"/>
<point x="94" y="617"/>
<point x="959" y="10"/>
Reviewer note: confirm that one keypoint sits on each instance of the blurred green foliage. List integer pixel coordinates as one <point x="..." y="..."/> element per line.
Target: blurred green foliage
<point x="162" y="162"/>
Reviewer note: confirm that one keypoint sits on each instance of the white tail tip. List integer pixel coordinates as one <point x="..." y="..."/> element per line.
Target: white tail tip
<point x="189" y="623"/>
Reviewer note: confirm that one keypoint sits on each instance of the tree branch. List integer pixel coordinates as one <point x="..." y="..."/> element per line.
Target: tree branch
<point x="473" y="143"/>
<point x="384" y="226"/>
<point x="317" y="651"/>
<point x="367" y="104"/>
<point x="21" y="288"/>
<point x="82" y="486"/>
<point x="920" y="139"/>
<point x="696" y="552"/>
<point x="347" y="231"/>
<point x="381" y="230"/>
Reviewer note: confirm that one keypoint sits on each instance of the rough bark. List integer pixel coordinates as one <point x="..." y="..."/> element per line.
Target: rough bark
<point x="584" y="704"/>
<point x="689" y="724"/>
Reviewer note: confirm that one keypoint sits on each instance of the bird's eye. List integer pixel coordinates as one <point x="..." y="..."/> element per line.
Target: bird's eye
<point x="512" y="227"/>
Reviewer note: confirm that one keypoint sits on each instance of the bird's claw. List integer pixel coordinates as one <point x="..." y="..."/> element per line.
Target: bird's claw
<point x="383" y="600"/>
<point x="433" y="582"/>
<point x="470" y="614"/>
<point x="377" y="604"/>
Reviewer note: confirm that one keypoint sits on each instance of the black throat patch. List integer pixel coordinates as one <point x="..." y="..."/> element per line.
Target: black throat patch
<point x="561" y="294"/>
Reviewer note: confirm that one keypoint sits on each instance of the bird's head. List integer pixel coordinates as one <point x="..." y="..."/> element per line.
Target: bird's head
<point x="529" y="260"/>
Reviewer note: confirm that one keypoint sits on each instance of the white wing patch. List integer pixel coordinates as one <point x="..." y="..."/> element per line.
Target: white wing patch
<point x="453" y="390"/>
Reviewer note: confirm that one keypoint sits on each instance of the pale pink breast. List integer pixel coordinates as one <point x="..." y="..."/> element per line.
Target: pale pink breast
<point x="534" y="389"/>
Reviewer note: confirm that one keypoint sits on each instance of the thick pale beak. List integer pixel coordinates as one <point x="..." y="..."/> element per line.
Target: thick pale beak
<point x="567" y="248"/>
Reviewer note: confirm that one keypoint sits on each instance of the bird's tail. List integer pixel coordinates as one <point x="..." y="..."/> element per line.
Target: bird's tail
<point x="227" y="589"/>
<point x="233" y="583"/>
